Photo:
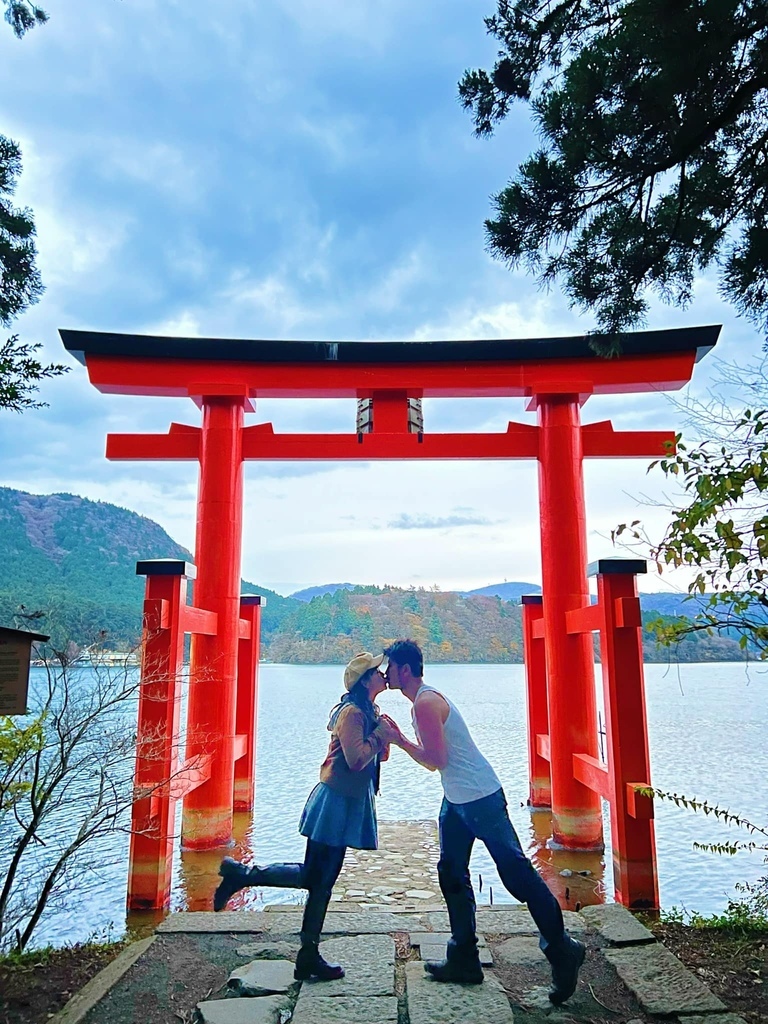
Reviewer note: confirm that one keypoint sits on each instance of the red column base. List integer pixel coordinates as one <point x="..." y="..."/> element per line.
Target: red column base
<point x="540" y="797"/>
<point x="146" y="893"/>
<point x="578" y="830"/>
<point x="206" y="829"/>
<point x="244" y="794"/>
<point x="635" y="883"/>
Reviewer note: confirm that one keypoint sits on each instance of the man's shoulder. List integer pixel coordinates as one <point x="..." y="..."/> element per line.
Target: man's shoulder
<point x="428" y="693"/>
<point x="430" y="698"/>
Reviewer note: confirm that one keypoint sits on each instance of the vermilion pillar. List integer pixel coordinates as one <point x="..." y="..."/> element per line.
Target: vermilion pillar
<point x="207" y="817"/>
<point x="153" y="815"/>
<point x="247" y="701"/>
<point x="576" y="818"/>
<point x="540" y="795"/>
<point x="633" y="834"/>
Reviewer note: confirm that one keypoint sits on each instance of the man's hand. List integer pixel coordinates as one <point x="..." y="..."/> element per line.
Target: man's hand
<point x="388" y="731"/>
<point x="394" y="734"/>
<point x="431" y="712"/>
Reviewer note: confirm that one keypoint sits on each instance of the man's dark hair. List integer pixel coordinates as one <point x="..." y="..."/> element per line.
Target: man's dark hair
<point x="407" y="652"/>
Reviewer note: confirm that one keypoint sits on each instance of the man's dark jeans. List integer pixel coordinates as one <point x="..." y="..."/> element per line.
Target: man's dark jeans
<point x="487" y="820"/>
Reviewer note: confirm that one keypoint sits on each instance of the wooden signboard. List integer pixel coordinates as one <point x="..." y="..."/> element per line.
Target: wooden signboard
<point x="15" y="649"/>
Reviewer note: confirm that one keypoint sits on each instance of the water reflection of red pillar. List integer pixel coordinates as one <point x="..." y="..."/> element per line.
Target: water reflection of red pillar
<point x="247" y="701"/>
<point x="207" y="816"/>
<point x="538" y="714"/>
<point x="576" y="817"/>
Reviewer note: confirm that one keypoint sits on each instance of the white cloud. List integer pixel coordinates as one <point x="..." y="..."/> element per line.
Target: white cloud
<point x="408" y="522"/>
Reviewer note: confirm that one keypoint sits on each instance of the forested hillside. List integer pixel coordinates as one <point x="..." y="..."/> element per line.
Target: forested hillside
<point x="74" y="561"/>
<point x="71" y="562"/>
<point x="449" y="627"/>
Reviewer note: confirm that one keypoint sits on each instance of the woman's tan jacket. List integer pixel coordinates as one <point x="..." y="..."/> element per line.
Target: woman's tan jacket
<point x="348" y="765"/>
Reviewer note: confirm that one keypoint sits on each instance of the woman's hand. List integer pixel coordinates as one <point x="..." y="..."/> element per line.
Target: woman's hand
<point x="389" y="731"/>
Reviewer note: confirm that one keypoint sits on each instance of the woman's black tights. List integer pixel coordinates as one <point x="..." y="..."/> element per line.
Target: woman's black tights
<point x="318" y="874"/>
<point x="321" y="868"/>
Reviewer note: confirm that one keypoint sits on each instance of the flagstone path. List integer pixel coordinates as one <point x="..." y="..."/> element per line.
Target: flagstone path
<point x="236" y="967"/>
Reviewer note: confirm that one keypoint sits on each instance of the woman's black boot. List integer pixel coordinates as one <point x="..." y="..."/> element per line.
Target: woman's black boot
<point x="236" y="876"/>
<point x="309" y="963"/>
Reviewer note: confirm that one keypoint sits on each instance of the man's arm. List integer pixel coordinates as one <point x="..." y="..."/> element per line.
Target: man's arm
<point x="431" y="752"/>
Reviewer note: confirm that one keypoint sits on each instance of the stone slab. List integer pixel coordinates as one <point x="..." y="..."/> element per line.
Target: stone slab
<point x="522" y="949"/>
<point x="660" y="982"/>
<point x="277" y="950"/>
<point x="369" y="922"/>
<point x="432" y="921"/>
<point x="369" y="962"/>
<point x="517" y="920"/>
<point x="262" y="978"/>
<point x="617" y="925"/>
<point x="266" y="1010"/>
<point x="435" y="1002"/>
<point x="506" y="922"/>
<point x="225" y="921"/>
<point x="345" y="1010"/>
<point x="90" y="994"/>
<point x="716" y="1018"/>
<point x="437" y="938"/>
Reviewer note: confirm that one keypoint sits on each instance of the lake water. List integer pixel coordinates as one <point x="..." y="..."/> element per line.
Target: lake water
<point x="708" y="733"/>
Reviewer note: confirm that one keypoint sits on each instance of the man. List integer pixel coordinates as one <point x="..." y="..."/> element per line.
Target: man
<point x="474" y="807"/>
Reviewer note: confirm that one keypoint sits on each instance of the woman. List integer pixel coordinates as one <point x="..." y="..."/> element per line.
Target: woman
<point x="340" y="812"/>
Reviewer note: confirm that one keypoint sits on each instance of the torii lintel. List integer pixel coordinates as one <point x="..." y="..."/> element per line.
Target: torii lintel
<point x="144" y="365"/>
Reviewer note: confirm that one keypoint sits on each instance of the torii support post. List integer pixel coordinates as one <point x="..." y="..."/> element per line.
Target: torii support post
<point x="247" y="699"/>
<point x="576" y="814"/>
<point x="153" y="814"/>
<point x="207" y="815"/>
<point x="621" y="651"/>
<point x="540" y="793"/>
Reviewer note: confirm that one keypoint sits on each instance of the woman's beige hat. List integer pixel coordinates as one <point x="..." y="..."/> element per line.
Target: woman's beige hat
<point x="360" y="664"/>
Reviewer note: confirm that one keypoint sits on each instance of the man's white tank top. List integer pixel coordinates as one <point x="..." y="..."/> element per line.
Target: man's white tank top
<point x="468" y="775"/>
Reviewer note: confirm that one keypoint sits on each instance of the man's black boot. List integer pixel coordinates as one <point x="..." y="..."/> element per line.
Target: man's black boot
<point x="310" y="964"/>
<point x="566" y="960"/>
<point x="461" y="964"/>
<point x="467" y="973"/>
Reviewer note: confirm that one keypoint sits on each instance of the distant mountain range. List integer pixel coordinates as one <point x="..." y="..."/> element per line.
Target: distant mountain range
<point x="68" y="568"/>
<point x="327" y="588"/>
<point x="664" y="603"/>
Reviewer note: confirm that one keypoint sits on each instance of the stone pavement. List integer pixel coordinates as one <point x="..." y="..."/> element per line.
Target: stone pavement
<point x="402" y="873"/>
<point x="235" y="968"/>
<point x="387" y="917"/>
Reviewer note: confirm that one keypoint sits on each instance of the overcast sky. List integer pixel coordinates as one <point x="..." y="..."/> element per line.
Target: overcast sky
<point x="293" y="169"/>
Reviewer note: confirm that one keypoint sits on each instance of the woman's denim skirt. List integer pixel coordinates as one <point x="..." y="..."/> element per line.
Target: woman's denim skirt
<point x="334" y="819"/>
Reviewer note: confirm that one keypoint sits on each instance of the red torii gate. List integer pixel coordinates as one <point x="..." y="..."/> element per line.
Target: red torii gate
<point x="223" y="376"/>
